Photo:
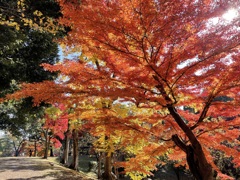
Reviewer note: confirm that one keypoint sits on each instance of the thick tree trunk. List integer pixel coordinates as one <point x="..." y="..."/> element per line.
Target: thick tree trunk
<point x="198" y="164"/>
<point x="64" y="159"/>
<point x="74" y="164"/>
<point x="196" y="158"/>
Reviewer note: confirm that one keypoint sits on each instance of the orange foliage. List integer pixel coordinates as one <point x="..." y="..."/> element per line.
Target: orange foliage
<point x="165" y="56"/>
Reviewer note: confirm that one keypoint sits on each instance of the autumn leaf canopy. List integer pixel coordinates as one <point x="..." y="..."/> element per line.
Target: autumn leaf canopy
<point x="178" y="58"/>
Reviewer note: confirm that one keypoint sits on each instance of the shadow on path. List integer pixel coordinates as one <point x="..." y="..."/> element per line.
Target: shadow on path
<point x="25" y="168"/>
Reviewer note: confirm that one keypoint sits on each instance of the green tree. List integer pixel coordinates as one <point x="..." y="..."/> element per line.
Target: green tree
<point x="23" y="47"/>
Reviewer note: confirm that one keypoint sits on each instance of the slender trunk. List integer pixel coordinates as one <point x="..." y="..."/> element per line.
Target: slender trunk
<point x="64" y="159"/>
<point x="51" y="151"/>
<point x="99" y="160"/>
<point x="115" y="159"/>
<point x="74" y="164"/>
<point x="17" y="149"/>
<point x="16" y="153"/>
<point x="46" y="144"/>
<point x="35" y="148"/>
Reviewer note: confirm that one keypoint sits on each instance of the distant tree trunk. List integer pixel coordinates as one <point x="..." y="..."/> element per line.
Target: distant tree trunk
<point x="51" y="151"/>
<point x="17" y="149"/>
<point x="74" y="164"/>
<point x="16" y="153"/>
<point x="64" y="158"/>
<point x="35" y="148"/>
<point x="99" y="166"/>
<point x="47" y="142"/>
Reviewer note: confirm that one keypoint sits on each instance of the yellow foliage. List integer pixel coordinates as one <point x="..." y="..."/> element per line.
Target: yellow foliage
<point x="53" y="112"/>
<point x="39" y="22"/>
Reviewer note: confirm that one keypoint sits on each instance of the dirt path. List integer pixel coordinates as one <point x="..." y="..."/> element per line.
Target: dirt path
<point x="25" y="168"/>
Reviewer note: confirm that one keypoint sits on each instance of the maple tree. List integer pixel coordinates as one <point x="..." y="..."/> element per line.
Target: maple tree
<point x="55" y="125"/>
<point x="169" y="57"/>
<point x="144" y="44"/>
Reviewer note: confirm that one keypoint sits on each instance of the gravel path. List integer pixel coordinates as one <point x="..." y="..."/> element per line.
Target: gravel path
<point x="26" y="168"/>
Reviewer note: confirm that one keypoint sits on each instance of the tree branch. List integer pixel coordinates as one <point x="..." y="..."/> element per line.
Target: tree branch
<point x="179" y="143"/>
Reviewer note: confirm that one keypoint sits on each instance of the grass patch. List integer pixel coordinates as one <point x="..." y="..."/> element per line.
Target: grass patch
<point x="84" y="161"/>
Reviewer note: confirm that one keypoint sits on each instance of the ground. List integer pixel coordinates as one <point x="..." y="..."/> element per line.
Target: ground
<point x="35" y="168"/>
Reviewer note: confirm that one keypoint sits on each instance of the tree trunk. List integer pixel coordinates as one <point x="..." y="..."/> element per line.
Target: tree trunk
<point x="74" y="164"/>
<point x="51" y="151"/>
<point x="47" y="142"/>
<point x="17" y="149"/>
<point x="16" y="153"/>
<point x="35" y="148"/>
<point x="108" y="167"/>
<point x="198" y="164"/>
<point x="196" y="160"/>
<point x="195" y="156"/>
<point x="46" y="150"/>
<point x="99" y="160"/>
<point x="64" y="159"/>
